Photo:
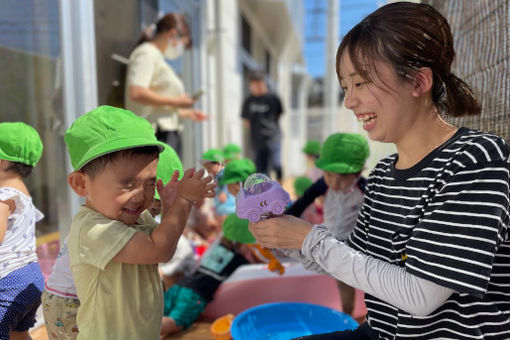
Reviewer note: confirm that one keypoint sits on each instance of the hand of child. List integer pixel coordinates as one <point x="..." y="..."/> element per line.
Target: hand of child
<point x="168" y="192"/>
<point x="192" y="187"/>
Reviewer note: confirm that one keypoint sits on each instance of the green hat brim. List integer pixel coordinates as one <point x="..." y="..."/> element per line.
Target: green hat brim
<point x="339" y="168"/>
<point x="113" y="146"/>
<point x="17" y="159"/>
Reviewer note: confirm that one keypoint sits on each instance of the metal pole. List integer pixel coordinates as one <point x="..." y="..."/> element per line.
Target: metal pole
<point x="330" y="81"/>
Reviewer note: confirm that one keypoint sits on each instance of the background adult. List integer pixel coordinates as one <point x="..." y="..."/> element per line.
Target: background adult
<point x="261" y="113"/>
<point x="153" y="89"/>
<point x="431" y="245"/>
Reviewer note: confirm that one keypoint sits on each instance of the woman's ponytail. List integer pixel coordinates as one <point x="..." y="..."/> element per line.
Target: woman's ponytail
<point x="146" y="35"/>
<point x="460" y="99"/>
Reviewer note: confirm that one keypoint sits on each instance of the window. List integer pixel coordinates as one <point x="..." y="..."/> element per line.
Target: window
<point x="31" y="91"/>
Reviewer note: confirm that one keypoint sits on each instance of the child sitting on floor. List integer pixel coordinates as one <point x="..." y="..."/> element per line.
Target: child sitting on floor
<point x="183" y="262"/>
<point x="202" y="221"/>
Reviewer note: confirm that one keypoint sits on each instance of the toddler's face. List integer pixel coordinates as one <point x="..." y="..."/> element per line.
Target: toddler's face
<point x="233" y="188"/>
<point x="124" y="189"/>
<point x="338" y="182"/>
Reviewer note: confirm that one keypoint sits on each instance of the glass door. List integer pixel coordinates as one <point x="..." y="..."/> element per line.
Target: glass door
<point x="31" y="92"/>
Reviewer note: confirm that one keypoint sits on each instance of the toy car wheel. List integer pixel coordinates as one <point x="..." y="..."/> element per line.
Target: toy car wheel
<point x="277" y="208"/>
<point x="254" y="215"/>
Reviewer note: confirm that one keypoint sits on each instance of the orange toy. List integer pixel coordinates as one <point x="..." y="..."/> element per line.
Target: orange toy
<point x="220" y="328"/>
<point x="274" y="265"/>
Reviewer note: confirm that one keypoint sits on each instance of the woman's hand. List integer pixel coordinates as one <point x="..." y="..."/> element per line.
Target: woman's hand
<point x="193" y="114"/>
<point x="184" y="101"/>
<point x="286" y="232"/>
<point x="198" y="116"/>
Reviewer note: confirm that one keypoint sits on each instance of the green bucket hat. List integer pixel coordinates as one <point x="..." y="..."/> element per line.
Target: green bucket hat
<point x="301" y="184"/>
<point x="236" y="229"/>
<point x="343" y="153"/>
<point x="231" y="151"/>
<point x="212" y="155"/>
<point x="237" y="171"/>
<point x="312" y="147"/>
<point x="20" y="142"/>
<point x="104" y="130"/>
<point x="168" y="162"/>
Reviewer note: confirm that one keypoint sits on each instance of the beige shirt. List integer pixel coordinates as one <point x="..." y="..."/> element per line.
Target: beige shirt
<point x="118" y="300"/>
<point x="148" y="69"/>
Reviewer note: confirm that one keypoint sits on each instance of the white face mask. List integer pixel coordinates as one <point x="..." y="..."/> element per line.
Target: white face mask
<point x="174" y="52"/>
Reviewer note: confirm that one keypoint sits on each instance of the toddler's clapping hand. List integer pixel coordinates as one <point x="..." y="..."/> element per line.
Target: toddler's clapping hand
<point x="193" y="188"/>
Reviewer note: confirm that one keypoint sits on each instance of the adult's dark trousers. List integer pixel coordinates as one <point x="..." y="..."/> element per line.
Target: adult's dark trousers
<point x="363" y="332"/>
<point x="269" y="155"/>
<point x="172" y="138"/>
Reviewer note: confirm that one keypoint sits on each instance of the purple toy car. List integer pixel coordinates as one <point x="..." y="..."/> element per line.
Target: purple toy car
<point x="260" y="196"/>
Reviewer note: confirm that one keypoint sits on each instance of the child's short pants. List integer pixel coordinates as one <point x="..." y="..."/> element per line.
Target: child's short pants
<point x="60" y="316"/>
<point x="183" y="305"/>
<point x="20" y="296"/>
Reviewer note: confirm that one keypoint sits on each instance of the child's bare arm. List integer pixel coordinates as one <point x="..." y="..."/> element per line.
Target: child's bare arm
<point x="176" y="199"/>
<point x="6" y="209"/>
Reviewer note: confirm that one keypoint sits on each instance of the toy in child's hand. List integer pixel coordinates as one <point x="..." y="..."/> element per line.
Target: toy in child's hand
<point x="273" y="265"/>
<point x="260" y="197"/>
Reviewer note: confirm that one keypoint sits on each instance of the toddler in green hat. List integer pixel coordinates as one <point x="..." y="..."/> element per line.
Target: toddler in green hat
<point x="342" y="159"/>
<point x="235" y="173"/>
<point x="183" y="261"/>
<point x="231" y="151"/>
<point x="114" y="242"/>
<point x="301" y="184"/>
<point x="224" y="202"/>
<point x="212" y="161"/>
<point x="168" y="163"/>
<point x="21" y="280"/>
<point x="186" y="300"/>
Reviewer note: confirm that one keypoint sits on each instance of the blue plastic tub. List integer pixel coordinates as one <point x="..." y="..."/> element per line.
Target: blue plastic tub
<point x="287" y="320"/>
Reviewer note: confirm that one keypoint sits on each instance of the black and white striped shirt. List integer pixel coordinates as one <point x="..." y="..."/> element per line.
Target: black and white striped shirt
<point x="446" y="220"/>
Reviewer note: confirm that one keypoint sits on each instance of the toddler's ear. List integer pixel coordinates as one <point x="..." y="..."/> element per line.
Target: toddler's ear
<point x="77" y="182"/>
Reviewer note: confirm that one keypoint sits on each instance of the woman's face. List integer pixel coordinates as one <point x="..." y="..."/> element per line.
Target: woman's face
<point x="384" y="106"/>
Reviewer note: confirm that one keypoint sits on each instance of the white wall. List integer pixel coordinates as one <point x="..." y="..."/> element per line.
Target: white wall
<point x="223" y="78"/>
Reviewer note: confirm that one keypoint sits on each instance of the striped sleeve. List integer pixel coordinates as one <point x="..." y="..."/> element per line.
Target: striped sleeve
<point x="455" y="242"/>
